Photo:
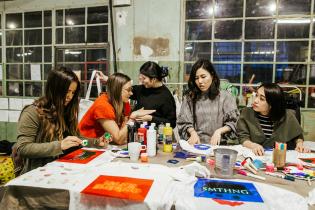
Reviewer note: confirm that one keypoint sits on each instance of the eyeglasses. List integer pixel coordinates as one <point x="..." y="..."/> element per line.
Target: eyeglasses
<point x="129" y="90"/>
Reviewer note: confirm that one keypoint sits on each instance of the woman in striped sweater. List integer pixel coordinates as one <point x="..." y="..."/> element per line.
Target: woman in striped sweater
<point x="268" y="121"/>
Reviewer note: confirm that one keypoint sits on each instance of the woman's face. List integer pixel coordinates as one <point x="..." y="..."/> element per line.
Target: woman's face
<point x="126" y="92"/>
<point x="260" y="104"/>
<point x="71" y="91"/>
<point x="147" y="81"/>
<point x="203" y="79"/>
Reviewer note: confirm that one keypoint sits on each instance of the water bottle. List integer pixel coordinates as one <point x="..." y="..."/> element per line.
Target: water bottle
<point x="151" y="141"/>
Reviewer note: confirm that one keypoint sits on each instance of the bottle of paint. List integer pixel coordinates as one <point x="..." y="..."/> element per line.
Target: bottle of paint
<point x="160" y="133"/>
<point x="132" y="132"/>
<point x="151" y="141"/>
<point x="142" y="133"/>
<point x="168" y="138"/>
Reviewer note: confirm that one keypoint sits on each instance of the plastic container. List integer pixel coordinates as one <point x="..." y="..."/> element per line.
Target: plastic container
<point x="160" y="133"/>
<point x="168" y="138"/>
<point x="151" y="141"/>
<point x="224" y="161"/>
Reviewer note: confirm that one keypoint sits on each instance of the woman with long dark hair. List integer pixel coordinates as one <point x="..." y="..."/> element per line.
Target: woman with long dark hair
<point x="208" y="114"/>
<point x="111" y="111"/>
<point x="48" y="128"/>
<point x="268" y="121"/>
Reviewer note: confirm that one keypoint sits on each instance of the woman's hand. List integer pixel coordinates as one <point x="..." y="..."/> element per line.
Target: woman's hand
<point x="70" y="141"/>
<point x="300" y="147"/>
<point x="256" y="148"/>
<point x="194" y="138"/>
<point x="103" y="142"/>
<point x="140" y="113"/>
<point x="102" y="76"/>
<point x="216" y="138"/>
<point x="144" y="118"/>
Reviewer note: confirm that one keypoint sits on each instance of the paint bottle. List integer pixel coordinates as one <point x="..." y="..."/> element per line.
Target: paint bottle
<point x="142" y="133"/>
<point x="151" y="141"/>
<point x="132" y="132"/>
<point x="146" y="125"/>
<point x="168" y="138"/>
<point x="160" y="133"/>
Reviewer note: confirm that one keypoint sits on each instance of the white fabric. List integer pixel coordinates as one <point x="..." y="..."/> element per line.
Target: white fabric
<point x="86" y="102"/>
<point x="311" y="197"/>
<point x="310" y="145"/>
<point x="274" y="198"/>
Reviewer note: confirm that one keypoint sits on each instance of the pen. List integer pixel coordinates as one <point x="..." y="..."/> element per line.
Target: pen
<point x="291" y="178"/>
<point x="242" y="172"/>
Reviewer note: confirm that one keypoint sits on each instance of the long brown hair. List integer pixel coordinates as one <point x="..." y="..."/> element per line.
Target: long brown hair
<point x="56" y="118"/>
<point x="115" y="84"/>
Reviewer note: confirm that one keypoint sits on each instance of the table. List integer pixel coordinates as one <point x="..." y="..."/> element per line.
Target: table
<point x="19" y="197"/>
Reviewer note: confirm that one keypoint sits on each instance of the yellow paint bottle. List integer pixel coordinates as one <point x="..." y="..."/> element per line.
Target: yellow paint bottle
<point x="168" y="138"/>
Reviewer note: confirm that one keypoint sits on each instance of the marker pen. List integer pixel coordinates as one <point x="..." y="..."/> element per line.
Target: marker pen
<point x="291" y="178"/>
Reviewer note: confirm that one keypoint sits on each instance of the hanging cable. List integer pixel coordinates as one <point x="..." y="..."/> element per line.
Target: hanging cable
<point x="112" y="34"/>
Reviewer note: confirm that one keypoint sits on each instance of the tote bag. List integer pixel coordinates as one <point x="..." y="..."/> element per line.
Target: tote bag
<point x="86" y="103"/>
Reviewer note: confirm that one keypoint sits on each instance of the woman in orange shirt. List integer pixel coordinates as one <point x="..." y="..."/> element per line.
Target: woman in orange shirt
<point x="111" y="111"/>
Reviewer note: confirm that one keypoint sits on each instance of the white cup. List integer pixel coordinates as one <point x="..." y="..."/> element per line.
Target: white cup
<point x="134" y="149"/>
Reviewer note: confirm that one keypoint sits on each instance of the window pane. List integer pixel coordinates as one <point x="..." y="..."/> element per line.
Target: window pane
<point x="47" y="19"/>
<point x="262" y="72"/>
<point x="97" y="34"/>
<point x="231" y="72"/>
<point x="96" y="55"/>
<point x="228" y="29"/>
<point x="292" y="51"/>
<point x="311" y="97"/>
<point x="33" y="89"/>
<point x="74" y="35"/>
<point x="14" y="55"/>
<point x="14" y="89"/>
<point x="0" y="35"/>
<point x="1" y="89"/>
<point x="198" y="30"/>
<point x="259" y="51"/>
<point x="14" y="20"/>
<point x="28" y="72"/>
<point x="14" y="71"/>
<point x="47" y="36"/>
<point x="228" y="8"/>
<point x="313" y="51"/>
<point x="259" y="29"/>
<point x="33" y="37"/>
<point x="199" y="9"/>
<point x="59" y="17"/>
<point x="33" y="19"/>
<point x="13" y="38"/>
<point x="290" y="7"/>
<point x="47" y="54"/>
<point x="194" y="51"/>
<point x="291" y="73"/>
<point x="1" y="56"/>
<point x="47" y="69"/>
<point x="59" y="36"/>
<point x="259" y="8"/>
<point x="75" y="16"/>
<point x="287" y="30"/>
<point x="97" y="15"/>
<point x="227" y="51"/>
<point x="69" y="55"/>
<point x="33" y="54"/>
<point x="314" y="27"/>
<point x="312" y="75"/>
<point x="187" y="70"/>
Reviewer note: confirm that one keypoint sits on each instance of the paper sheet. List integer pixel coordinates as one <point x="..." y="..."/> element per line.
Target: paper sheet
<point x="35" y="72"/>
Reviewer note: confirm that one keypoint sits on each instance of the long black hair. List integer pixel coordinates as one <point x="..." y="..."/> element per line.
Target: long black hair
<point x="275" y="98"/>
<point x="153" y="70"/>
<point x="194" y="92"/>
